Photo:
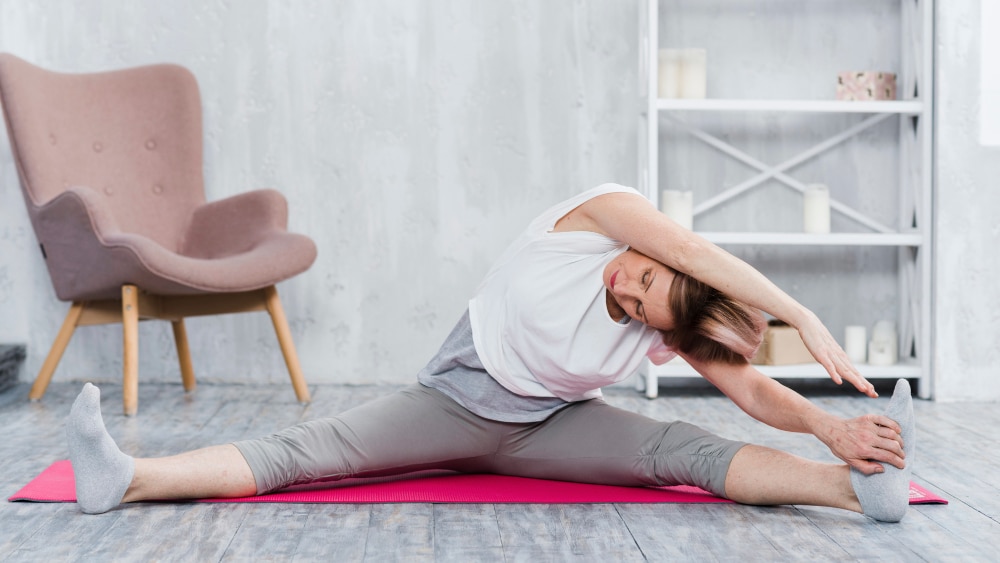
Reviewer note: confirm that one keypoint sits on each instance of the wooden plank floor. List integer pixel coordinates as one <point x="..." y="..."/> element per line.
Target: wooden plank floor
<point x="957" y="458"/>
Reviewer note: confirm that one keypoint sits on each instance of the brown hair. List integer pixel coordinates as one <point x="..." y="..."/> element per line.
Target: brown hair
<point x="709" y="326"/>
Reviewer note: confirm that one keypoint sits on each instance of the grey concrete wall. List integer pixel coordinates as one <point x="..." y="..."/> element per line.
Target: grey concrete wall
<point x="414" y="138"/>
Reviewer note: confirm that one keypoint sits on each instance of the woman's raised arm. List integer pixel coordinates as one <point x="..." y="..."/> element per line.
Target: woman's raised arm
<point x="630" y="218"/>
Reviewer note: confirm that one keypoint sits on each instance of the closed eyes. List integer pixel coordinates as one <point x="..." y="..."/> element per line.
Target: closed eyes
<point x="645" y="281"/>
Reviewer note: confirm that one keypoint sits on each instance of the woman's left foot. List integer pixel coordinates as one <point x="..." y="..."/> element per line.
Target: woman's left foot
<point x="886" y="496"/>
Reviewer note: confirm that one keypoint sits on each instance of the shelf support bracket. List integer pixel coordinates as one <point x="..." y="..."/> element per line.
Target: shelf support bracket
<point x="777" y="172"/>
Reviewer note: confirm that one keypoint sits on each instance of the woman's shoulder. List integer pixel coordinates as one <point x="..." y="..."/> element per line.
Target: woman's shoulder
<point x="581" y="213"/>
<point x="600" y="190"/>
<point x="570" y="214"/>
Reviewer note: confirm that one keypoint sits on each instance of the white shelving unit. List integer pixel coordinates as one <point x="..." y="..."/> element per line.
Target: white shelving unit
<point x="912" y="236"/>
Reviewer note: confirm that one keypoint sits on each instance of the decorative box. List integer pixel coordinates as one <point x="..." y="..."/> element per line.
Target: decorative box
<point x="866" y="86"/>
<point x="781" y="346"/>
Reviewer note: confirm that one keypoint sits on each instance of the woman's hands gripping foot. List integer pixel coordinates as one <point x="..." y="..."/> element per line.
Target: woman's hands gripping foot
<point x="885" y="496"/>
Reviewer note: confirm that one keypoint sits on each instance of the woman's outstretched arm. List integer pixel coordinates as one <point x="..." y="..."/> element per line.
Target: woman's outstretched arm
<point x="862" y="442"/>
<point x="631" y="219"/>
<point x="764" y="476"/>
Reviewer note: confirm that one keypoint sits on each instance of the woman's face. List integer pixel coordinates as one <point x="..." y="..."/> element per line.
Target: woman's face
<point x="639" y="285"/>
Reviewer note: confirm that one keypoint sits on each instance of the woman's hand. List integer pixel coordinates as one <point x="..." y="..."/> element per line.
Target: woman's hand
<point x="865" y="441"/>
<point x="831" y="356"/>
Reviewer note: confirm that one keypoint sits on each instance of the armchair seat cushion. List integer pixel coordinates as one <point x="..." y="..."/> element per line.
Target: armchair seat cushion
<point x="274" y="257"/>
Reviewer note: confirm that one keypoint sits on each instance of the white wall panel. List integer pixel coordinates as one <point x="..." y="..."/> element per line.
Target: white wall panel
<point x="412" y="140"/>
<point x="967" y="349"/>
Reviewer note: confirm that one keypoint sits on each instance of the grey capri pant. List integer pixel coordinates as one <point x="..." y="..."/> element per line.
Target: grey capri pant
<point x="420" y="428"/>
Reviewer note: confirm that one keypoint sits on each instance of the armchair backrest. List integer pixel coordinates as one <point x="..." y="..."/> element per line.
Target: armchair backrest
<point x="134" y="136"/>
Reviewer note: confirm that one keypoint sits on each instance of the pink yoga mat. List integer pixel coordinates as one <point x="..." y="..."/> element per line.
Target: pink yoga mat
<point x="56" y="484"/>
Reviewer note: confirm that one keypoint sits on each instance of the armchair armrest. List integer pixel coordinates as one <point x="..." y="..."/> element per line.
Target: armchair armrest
<point x="73" y="229"/>
<point x="235" y="224"/>
<point x="64" y="216"/>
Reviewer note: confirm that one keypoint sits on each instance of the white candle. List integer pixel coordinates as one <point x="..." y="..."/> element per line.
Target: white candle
<point x="881" y="353"/>
<point x="884" y="331"/>
<point x="678" y="206"/>
<point x="884" y="344"/>
<point x="669" y="75"/>
<point x="816" y="209"/>
<point x="694" y="73"/>
<point x="855" y="343"/>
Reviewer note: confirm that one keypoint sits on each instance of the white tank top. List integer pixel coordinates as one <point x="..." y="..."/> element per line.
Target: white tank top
<point x="540" y="321"/>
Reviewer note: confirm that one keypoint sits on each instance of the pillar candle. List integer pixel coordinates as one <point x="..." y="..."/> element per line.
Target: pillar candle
<point x="669" y="75"/>
<point x="694" y="73"/>
<point x="881" y="353"/>
<point x="883" y="348"/>
<point x="855" y="343"/>
<point x="884" y="331"/>
<point x="678" y="206"/>
<point x="817" y="209"/>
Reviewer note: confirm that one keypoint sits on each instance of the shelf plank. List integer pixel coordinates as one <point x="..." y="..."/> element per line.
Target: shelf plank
<point x="797" y="371"/>
<point x="808" y="239"/>
<point x="912" y="107"/>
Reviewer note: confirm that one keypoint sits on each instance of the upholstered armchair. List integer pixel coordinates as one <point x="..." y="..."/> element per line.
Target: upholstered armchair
<point x="110" y="165"/>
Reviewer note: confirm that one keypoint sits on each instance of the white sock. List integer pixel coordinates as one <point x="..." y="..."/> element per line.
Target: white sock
<point x="886" y="496"/>
<point x="103" y="473"/>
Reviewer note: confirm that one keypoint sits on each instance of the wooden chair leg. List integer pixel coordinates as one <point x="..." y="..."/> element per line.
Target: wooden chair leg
<point x="184" y="355"/>
<point x="56" y="351"/>
<point x="130" y="355"/>
<point x="277" y="313"/>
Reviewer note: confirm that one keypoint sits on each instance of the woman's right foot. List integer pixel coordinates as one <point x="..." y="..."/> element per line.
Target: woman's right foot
<point x="102" y="472"/>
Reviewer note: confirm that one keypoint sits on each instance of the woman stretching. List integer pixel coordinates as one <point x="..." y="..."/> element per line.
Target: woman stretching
<point x="593" y="286"/>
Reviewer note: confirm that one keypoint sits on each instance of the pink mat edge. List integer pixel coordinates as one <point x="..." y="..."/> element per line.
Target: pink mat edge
<point x="59" y="475"/>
